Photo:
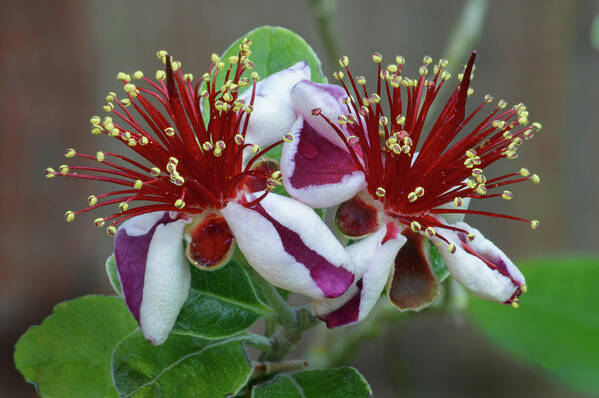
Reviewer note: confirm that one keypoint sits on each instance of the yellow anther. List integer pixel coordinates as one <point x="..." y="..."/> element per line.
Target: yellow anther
<point x="288" y="137"/>
<point x="352" y="140"/>
<point x="144" y="140"/>
<point x="534" y="224"/>
<point x="214" y="58"/>
<point x="108" y="108"/>
<point x="535" y="178"/>
<point x="430" y="232"/>
<point x="501" y="103"/>
<point x="255" y="149"/>
<point x="125" y="102"/>
<point x="123" y="206"/>
<point x="115" y="132"/>
<point x="470" y="237"/>
<point x="129" y="88"/>
<point x="423" y="70"/>
<point x="188" y="77"/>
<point x="523" y="121"/>
<point x="537" y="126"/>
<point x="123" y="77"/>
<point x="111" y="230"/>
<point x="471" y="183"/>
<point x="470" y="153"/>
<point x="399" y="60"/>
<point x="427" y="60"/>
<point x="173" y="160"/>
<point x="488" y="98"/>
<point x="155" y="171"/>
<point x="138" y="184"/>
<point x="255" y="76"/>
<point x="92" y="200"/>
<point x="100" y="156"/>
<point x="458" y="202"/>
<point x="217" y="152"/>
<point x="69" y="153"/>
<point x="69" y="216"/>
<point x="131" y="142"/>
<point x="507" y="135"/>
<point x="63" y="168"/>
<point x="160" y="75"/>
<point x="361" y="80"/>
<point x="239" y="140"/>
<point x="500" y="124"/>
<point x="419" y="191"/>
<point x="481" y="189"/>
<point x="207" y="146"/>
<point x="380" y="192"/>
<point x="178" y="181"/>
<point x="220" y="144"/>
<point x="451" y="248"/>
<point x="470" y="92"/>
<point x="400" y="120"/>
<point x="524" y="172"/>
<point x="96" y="131"/>
<point x="415" y="226"/>
<point x="412" y="196"/>
<point x="50" y="172"/>
<point x="392" y="68"/>
<point x="161" y="54"/>
<point x="377" y="58"/>
<point x="109" y="98"/>
<point x="95" y="120"/>
<point x="138" y="75"/>
<point x="233" y="59"/>
<point x="99" y="222"/>
<point x="227" y="97"/>
<point x="169" y="131"/>
<point x="515" y="304"/>
<point x="179" y="204"/>
<point x="524" y="288"/>
<point x="338" y="75"/>
<point x="344" y="61"/>
<point x="383" y="120"/>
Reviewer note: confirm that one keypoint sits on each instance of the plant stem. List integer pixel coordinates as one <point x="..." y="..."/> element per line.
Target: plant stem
<point x="323" y="12"/>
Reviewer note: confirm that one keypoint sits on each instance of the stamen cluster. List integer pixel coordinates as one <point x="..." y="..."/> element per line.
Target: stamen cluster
<point x="192" y="134"/>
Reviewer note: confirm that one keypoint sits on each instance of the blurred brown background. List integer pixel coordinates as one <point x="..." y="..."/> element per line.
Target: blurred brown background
<point x="58" y="59"/>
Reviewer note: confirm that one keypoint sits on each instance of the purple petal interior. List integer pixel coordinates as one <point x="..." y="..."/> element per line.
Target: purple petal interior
<point x="318" y="161"/>
<point x="131" y="253"/>
<point x="488" y="258"/>
<point x="347" y="313"/>
<point x="332" y="280"/>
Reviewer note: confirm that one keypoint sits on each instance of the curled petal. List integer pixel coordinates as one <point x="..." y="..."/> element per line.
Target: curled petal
<point x="209" y="241"/>
<point x="316" y="171"/>
<point x="412" y="284"/>
<point x="373" y="258"/>
<point x="328" y="98"/>
<point x="154" y="274"/>
<point x="480" y="266"/>
<point x="359" y="216"/>
<point x="290" y="246"/>
<point x="273" y="113"/>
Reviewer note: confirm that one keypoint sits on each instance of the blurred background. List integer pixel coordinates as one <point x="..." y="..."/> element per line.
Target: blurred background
<point x="59" y="59"/>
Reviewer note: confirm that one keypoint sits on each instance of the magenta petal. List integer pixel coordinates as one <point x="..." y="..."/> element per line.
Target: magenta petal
<point x="131" y="246"/>
<point x="332" y="280"/>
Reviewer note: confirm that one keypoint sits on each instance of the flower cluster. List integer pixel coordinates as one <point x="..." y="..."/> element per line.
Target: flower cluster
<point x="200" y="185"/>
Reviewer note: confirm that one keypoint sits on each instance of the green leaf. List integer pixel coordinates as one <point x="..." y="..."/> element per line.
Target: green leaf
<point x="274" y="49"/>
<point x="184" y="366"/>
<point x="68" y="355"/>
<point x="330" y="383"/>
<point x="437" y="263"/>
<point x="220" y="303"/>
<point x="113" y="275"/>
<point x="557" y="324"/>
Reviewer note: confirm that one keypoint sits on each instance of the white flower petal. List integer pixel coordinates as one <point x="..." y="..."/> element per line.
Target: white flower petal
<point x="290" y="246"/>
<point x="500" y="280"/>
<point x="154" y="274"/>
<point x="273" y="113"/>
<point x="317" y="172"/>
<point x="373" y="259"/>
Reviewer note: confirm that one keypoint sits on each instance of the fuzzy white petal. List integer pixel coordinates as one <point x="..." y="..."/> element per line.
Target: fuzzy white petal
<point x="262" y="242"/>
<point x="166" y="282"/>
<point x="473" y="273"/>
<point x="273" y="113"/>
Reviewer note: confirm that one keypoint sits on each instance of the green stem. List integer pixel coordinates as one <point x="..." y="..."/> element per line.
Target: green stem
<point x="323" y="12"/>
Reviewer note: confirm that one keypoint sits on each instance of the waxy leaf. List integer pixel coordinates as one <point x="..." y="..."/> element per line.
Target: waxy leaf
<point x="557" y="324"/>
<point x="330" y="383"/>
<point x="437" y="263"/>
<point x="220" y="303"/>
<point x="113" y="275"/>
<point x="68" y="355"/>
<point x="184" y="366"/>
<point x="274" y="49"/>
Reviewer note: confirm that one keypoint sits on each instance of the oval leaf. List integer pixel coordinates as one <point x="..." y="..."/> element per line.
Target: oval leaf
<point x="68" y="355"/>
<point x="556" y="325"/>
<point x="330" y="383"/>
<point x="220" y="303"/>
<point x="113" y="275"/>
<point x="184" y="366"/>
